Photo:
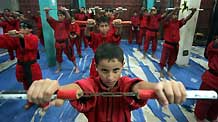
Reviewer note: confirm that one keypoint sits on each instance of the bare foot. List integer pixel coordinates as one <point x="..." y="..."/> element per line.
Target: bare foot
<point x="161" y="75"/>
<point x="170" y="74"/>
<point x="57" y="71"/>
<point x="154" y="56"/>
<point x="76" y="70"/>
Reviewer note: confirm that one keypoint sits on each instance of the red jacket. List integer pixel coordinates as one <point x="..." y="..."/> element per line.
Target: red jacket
<point x="107" y="109"/>
<point x="74" y="29"/>
<point x="208" y="77"/>
<point x="135" y="21"/>
<point x="171" y="30"/>
<point x="61" y="29"/>
<point x="96" y="39"/>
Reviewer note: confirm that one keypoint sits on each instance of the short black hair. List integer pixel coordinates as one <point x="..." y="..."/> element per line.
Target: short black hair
<point x="109" y="51"/>
<point x="102" y="19"/>
<point x="26" y="24"/>
<point x="61" y="12"/>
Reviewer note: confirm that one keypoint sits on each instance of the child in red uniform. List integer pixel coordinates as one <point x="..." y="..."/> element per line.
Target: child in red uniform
<point x="153" y="21"/>
<point x="109" y="61"/>
<point x="61" y="33"/>
<point x="106" y="33"/>
<point x="143" y="26"/>
<point x="26" y="46"/>
<point x="171" y="39"/>
<point x="208" y="109"/>
<point x="135" y="27"/>
<point x="75" y="36"/>
<point x="81" y="16"/>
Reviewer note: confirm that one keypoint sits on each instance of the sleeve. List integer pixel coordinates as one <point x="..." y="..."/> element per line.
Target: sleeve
<point x="85" y="104"/>
<point x="77" y="29"/>
<point x="127" y="84"/>
<point x="8" y="42"/>
<point x="31" y="42"/>
<point x="52" y="22"/>
<point x="182" y="22"/>
<point x="211" y="51"/>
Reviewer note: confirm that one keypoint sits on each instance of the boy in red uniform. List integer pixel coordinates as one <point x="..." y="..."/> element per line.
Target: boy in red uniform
<point x="26" y="46"/>
<point x="106" y="33"/>
<point x="208" y="109"/>
<point x="81" y="16"/>
<point x="135" y="27"/>
<point x="109" y="61"/>
<point x="153" y="21"/>
<point x="143" y="26"/>
<point x="75" y="36"/>
<point x="61" y="33"/>
<point x="171" y="40"/>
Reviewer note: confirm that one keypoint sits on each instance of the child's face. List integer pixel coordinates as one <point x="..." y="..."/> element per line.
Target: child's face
<point x="25" y="30"/>
<point x="61" y="17"/>
<point x="109" y="71"/>
<point x="104" y="27"/>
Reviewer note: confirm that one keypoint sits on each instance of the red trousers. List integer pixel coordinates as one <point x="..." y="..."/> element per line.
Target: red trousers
<point x="35" y="71"/>
<point x="168" y="56"/>
<point x="78" y="45"/>
<point x="142" y="34"/>
<point x="11" y="54"/>
<point x="207" y="109"/>
<point x="82" y="38"/>
<point x="65" y="47"/>
<point x="133" y="33"/>
<point x="150" y="36"/>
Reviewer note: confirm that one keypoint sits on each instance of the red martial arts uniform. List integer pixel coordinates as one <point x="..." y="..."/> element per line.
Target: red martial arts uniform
<point x="134" y="29"/>
<point x="151" y="33"/>
<point x="96" y="39"/>
<point x="27" y="68"/>
<point x="171" y="44"/>
<point x="82" y="17"/>
<point x="208" y="109"/>
<point x="107" y="109"/>
<point x="7" y="26"/>
<point x="62" y="43"/>
<point x="143" y="28"/>
<point x="38" y="21"/>
<point x="75" y="31"/>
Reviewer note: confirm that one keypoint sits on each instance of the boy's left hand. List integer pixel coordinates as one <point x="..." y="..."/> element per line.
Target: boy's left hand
<point x="170" y="92"/>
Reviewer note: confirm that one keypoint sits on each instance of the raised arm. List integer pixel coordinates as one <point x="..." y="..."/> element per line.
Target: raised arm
<point x="190" y="15"/>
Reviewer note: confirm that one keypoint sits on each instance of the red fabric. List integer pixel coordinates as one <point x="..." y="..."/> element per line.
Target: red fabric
<point x="65" y="47"/>
<point x="135" y="24"/>
<point x="107" y="109"/>
<point x="93" y="71"/>
<point x="75" y="30"/>
<point x="143" y="21"/>
<point x="81" y="16"/>
<point x="132" y="34"/>
<point x="37" y="19"/>
<point x="28" y="53"/>
<point x="171" y="30"/>
<point x="150" y="36"/>
<point x="61" y="29"/>
<point x="168" y="56"/>
<point x="208" y="108"/>
<point x="135" y="21"/>
<point x="154" y="22"/>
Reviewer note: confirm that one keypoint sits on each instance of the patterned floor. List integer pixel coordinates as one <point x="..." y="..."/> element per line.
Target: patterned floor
<point x="135" y="66"/>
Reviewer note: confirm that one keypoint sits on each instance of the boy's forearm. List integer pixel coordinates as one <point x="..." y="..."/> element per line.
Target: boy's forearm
<point x="143" y="85"/>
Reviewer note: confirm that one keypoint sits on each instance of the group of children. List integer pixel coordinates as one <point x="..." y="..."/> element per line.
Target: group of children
<point x="103" y="36"/>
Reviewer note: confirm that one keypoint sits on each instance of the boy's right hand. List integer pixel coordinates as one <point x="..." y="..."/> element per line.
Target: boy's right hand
<point x="91" y="22"/>
<point x="47" y="9"/>
<point x="41" y="92"/>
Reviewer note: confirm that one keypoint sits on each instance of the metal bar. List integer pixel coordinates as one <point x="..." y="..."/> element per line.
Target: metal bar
<point x="191" y="94"/>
